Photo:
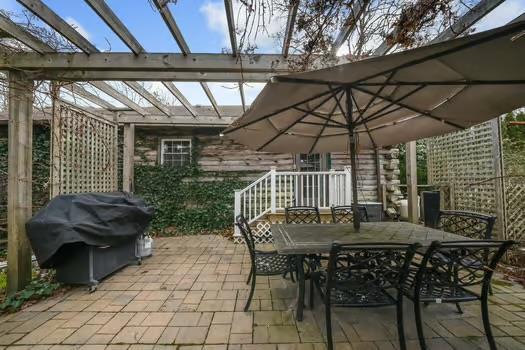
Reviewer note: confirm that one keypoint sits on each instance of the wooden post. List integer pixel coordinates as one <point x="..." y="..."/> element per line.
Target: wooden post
<point x="56" y="143"/>
<point x="378" y="175"/>
<point x="128" y="158"/>
<point x="499" y="178"/>
<point x="411" y="171"/>
<point x="19" y="181"/>
<point x="273" y="190"/>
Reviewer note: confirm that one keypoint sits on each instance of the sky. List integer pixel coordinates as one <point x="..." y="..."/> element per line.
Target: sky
<point x="204" y="26"/>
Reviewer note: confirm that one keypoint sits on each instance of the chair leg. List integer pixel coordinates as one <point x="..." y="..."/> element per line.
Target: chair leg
<point x="419" y="325"/>
<point x="460" y="311"/>
<point x="249" y="277"/>
<point x="328" y="316"/>
<point x="486" y="323"/>
<point x="400" y="324"/>
<point x="490" y="290"/>
<point x="252" y="289"/>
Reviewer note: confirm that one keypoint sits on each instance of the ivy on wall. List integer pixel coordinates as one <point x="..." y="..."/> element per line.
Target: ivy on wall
<point x="41" y="154"/>
<point x="188" y="200"/>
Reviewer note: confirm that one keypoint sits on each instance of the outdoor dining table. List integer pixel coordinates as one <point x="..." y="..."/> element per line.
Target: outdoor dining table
<point x="302" y="239"/>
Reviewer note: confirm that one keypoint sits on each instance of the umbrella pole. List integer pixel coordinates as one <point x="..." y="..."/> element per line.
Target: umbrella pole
<point x="353" y="156"/>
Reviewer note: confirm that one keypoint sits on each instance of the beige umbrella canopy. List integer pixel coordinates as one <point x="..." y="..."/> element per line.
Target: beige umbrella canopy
<point x="391" y="99"/>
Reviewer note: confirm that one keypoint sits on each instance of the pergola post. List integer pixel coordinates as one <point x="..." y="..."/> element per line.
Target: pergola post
<point x="128" y="157"/>
<point x="19" y="181"/>
<point x="411" y="172"/>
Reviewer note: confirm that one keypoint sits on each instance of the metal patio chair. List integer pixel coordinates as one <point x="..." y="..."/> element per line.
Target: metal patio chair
<point x="370" y="277"/>
<point x="263" y="263"/>
<point x="344" y="214"/>
<point x="465" y="223"/>
<point x="302" y="215"/>
<point x="468" y="224"/>
<point x="438" y="280"/>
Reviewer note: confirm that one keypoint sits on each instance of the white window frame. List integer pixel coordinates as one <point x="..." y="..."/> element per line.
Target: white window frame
<point x="162" y="141"/>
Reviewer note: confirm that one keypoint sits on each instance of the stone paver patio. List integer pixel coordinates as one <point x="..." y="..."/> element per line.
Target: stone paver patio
<point x="190" y="295"/>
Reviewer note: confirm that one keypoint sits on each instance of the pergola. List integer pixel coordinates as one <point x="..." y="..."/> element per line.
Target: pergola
<point x="95" y="67"/>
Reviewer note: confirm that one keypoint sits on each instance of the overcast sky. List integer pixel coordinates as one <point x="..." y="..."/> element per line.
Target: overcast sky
<point x="204" y="25"/>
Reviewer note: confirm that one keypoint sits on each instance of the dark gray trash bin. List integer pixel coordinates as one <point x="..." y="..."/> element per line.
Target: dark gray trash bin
<point x="88" y="236"/>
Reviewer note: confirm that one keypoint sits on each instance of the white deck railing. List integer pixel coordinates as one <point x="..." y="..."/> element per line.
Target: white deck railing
<point x="277" y="190"/>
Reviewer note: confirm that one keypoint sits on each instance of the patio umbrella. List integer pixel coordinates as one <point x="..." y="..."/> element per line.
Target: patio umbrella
<point x="388" y="100"/>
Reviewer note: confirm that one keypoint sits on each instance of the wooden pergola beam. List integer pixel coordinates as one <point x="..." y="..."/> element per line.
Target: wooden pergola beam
<point x="290" y="24"/>
<point x="357" y="10"/>
<point x="228" y="7"/>
<point x="160" y="62"/>
<point x="208" y="93"/>
<point x="243" y="100"/>
<point x="42" y="11"/>
<point x="467" y="20"/>
<point x="139" y="89"/>
<point x="180" y="96"/>
<point x="19" y="33"/>
<point x="116" y="25"/>
<point x="77" y="89"/>
<point x="162" y="6"/>
<point x="109" y="90"/>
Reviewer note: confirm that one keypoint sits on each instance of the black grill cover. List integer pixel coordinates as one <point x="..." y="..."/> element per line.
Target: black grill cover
<point x="99" y="219"/>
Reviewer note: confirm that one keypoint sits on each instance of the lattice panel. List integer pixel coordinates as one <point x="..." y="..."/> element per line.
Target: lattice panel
<point x="463" y="160"/>
<point x="261" y="232"/>
<point x="84" y="151"/>
<point x="515" y="209"/>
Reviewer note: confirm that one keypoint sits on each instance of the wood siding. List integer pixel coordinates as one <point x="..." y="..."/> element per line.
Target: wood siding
<point x="218" y="154"/>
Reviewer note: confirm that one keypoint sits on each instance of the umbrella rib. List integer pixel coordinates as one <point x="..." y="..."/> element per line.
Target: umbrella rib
<point x="317" y="115"/>
<point x="360" y="117"/>
<point x="280" y="111"/>
<point x="427" y="114"/>
<point x="512" y="29"/>
<point x="291" y="125"/>
<point x="375" y="115"/>
<point x="390" y="76"/>
<point x="322" y="124"/>
<point x="447" y="83"/>
<point x="325" y="125"/>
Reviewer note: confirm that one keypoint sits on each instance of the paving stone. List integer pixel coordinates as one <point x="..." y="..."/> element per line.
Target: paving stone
<point x="218" y="334"/>
<point x="242" y="322"/>
<point x="191" y="335"/>
<point x="152" y="335"/>
<point x="283" y="334"/>
<point x="185" y="319"/>
<point x="81" y="335"/>
<point x="158" y="319"/>
<point x="168" y="335"/>
<point x="116" y="323"/>
<point x="8" y="339"/>
<point x="129" y="335"/>
<point x="222" y="318"/>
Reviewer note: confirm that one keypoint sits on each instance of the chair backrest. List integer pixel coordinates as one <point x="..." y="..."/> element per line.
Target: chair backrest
<point x="460" y="263"/>
<point x="246" y="232"/>
<point x="302" y="215"/>
<point x="344" y="214"/>
<point x="369" y="264"/>
<point x="465" y="223"/>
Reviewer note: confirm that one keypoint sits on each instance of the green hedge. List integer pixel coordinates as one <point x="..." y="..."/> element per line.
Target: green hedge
<point x="186" y="201"/>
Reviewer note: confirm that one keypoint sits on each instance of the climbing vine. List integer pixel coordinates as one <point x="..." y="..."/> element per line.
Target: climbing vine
<point x="188" y="200"/>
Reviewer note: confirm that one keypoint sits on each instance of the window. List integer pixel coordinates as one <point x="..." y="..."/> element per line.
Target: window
<point x="175" y="152"/>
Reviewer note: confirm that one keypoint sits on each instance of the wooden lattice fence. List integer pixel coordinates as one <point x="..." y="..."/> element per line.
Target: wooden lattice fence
<point x="84" y="152"/>
<point x="470" y="162"/>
